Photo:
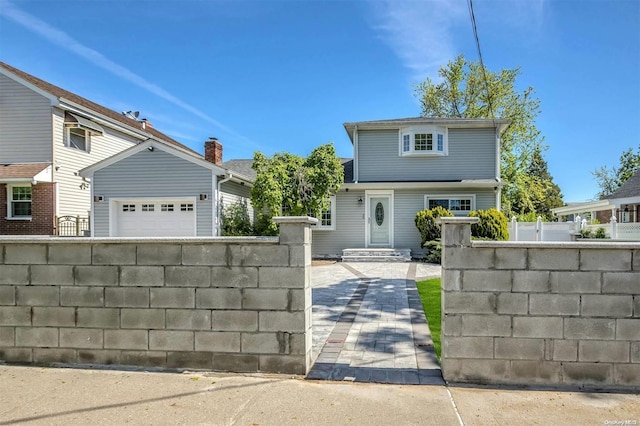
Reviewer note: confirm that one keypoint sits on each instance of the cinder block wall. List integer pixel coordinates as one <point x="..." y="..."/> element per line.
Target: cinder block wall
<point x="557" y="314"/>
<point x="225" y="304"/>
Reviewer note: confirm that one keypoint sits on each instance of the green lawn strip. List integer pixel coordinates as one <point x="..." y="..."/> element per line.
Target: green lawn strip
<point x="430" y="295"/>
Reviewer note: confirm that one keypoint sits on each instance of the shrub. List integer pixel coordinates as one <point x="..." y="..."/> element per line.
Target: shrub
<point x="493" y="225"/>
<point x="425" y="221"/>
<point x="586" y="233"/>
<point x="235" y="219"/>
<point x="600" y="233"/>
<point x="264" y="226"/>
<point x="434" y="252"/>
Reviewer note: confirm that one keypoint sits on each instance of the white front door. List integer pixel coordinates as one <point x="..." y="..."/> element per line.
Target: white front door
<point x="379" y="220"/>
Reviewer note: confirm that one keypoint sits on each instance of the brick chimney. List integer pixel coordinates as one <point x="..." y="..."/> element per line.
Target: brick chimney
<point x="213" y="151"/>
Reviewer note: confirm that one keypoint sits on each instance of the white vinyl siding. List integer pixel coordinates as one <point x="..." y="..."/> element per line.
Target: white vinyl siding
<point x="25" y="124"/>
<point x="154" y="174"/>
<point x="232" y="192"/>
<point x="471" y="155"/>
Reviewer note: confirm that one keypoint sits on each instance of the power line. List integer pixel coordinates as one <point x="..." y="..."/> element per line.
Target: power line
<point x="484" y="71"/>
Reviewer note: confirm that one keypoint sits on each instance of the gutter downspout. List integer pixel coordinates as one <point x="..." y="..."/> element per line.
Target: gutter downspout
<point x="355" y="154"/>
<point x="218" y="206"/>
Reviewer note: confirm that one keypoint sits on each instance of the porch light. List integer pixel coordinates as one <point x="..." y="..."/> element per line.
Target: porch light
<point x="360" y="200"/>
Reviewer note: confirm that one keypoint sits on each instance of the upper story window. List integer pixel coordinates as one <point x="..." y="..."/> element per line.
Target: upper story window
<point x="78" y="131"/>
<point x="77" y="138"/>
<point x="327" y="218"/>
<point x="19" y="205"/>
<point x="423" y="140"/>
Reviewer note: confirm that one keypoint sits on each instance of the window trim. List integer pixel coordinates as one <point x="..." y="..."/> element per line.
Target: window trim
<point x="434" y="131"/>
<point x="450" y="197"/>
<point x="332" y="209"/>
<point x="10" y="201"/>
<point x="87" y="138"/>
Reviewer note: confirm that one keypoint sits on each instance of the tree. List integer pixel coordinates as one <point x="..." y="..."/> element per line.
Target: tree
<point x="610" y="179"/>
<point x="463" y="94"/>
<point x="294" y="186"/>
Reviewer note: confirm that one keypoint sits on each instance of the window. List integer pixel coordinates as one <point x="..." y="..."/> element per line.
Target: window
<point x="166" y="207"/>
<point x="423" y="140"/>
<point x="327" y="218"/>
<point x="19" y="205"/>
<point x="186" y="207"/>
<point x="78" y="138"/>
<point x="459" y="205"/>
<point x="148" y="207"/>
<point x="128" y="207"/>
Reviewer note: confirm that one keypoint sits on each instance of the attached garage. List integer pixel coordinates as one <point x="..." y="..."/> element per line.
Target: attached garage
<point x="154" y="217"/>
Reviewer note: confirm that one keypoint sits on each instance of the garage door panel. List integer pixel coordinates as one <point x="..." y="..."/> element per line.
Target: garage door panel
<point x="156" y="219"/>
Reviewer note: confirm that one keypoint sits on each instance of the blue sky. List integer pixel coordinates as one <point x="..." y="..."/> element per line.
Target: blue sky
<point x="284" y="75"/>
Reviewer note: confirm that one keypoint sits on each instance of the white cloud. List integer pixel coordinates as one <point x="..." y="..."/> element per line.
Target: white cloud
<point x="63" y="40"/>
<point x="420" y="32"/>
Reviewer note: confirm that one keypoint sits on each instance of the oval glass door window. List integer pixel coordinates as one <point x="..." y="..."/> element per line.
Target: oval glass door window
<point x="379" y="214"/>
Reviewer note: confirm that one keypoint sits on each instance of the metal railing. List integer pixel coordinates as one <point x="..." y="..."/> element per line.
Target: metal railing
<point x="73" y="226"/>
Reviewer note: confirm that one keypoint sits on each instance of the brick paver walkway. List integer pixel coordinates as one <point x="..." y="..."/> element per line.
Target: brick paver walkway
<point x="369" y="325"/>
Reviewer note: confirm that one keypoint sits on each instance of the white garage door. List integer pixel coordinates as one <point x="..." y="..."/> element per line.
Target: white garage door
<point x="165" y="218"/>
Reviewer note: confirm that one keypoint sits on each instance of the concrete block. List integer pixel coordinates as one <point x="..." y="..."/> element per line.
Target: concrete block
<point x="173" y="297"/>
<point x="537" y="327"/>
<point x="468" y="258"/>
<point x="54" y="316"/>
<point x="159" y="254"/>
<point x="264" y="343"/>
<point x="7" y="295"/>
<point x="621" y="282"/>
<point x="22" y="355"/>
<point x="467" y="347"/>
<point x="98" y="356"/>
<point x="195" y="360"/>
<point x="589" y="328"/>
<point x="511" y="258"/>
<point x="536" y="372"/>
<point x="126" y="339"/>
<point x="636" y="306"/>
<point x="235" y="363"/>
<point x="96" y="275"/>
<point x="636" y="260"/>
<point x="274" y="277"/>
<point x="576" y="282"/>
<point x="51" y="275"/>
<point x="282" y="321"/>
<point x="188" y="319"/>
<point x="295" y="234"/>
<point x="187" y="276"/>
<point x="605" y="260"/>
<point x="126" y="297"/>
<point x="554" y="304"/>
<point x="98" y="317"/>
<point x="54" y="355"/>
<point x="486" y="325"/>
<point x="70" y="254"/>
<point x="7" y="337"/>
<point x="170" y="340"/>
<point x="469" y="303"/>
<point x="284" y="364"/>
<point x="38" y="296"/>
<point x="299" y="299"/>
<point x="259" y="255"/>
<point x="513" y="303"/>
<point x="451" y="280"/>
<point x="553" y="259"/>
<point x="587" y="373"/>
<point x="607" y="306"/>
<point x="635" y="352"/>
<point x="490" y="280"/>
<point x="628" y="329"/>
<point x="81" y="296"/>
<point x="626" y="375"/>
<point x="297" y="344"/>
<point x="25" y="254"/>
<point x="219" y="298"/>
<point x="216" y="341"/>
<point x="14" y="274"/>
<point x="233" y="276"/>
<point x="114" y="254"/>
<point x="37" y="337"/>
<point x="565" y="350"/>
<point x="15" y="315"/>
<point x="266" y="299"/>
<point x="531" y="281"/>
<point x="144" y="358"/>
<point x="142" y="318"/>
<point x="510" y="348"/>
<point x="234" y="320"/>
<point x="603" y="351"/>
<point x="452" y="325"/>
<point x="300" y="256"/>
<point x="484" y="371"/>
<point x="456" y="235"/>
<point x="206" y="254"/>
<point x="142" y="276"/>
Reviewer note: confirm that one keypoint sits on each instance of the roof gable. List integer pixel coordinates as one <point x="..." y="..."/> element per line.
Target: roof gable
<point x="631" y="188"/>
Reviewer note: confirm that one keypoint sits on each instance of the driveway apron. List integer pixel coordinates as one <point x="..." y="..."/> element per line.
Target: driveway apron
<point x="369" y="325"/>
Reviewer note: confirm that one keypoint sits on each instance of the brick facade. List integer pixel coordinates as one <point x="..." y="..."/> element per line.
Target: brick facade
<point x="43" y="208"/>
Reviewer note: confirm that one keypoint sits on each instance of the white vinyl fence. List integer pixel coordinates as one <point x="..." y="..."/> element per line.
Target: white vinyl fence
<point x="566" y="231"/>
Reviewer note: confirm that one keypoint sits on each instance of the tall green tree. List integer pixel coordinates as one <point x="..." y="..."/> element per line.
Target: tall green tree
<point x="610" y="179"/>
<point x="291" y="185"/>
<point x="463" y="94"/>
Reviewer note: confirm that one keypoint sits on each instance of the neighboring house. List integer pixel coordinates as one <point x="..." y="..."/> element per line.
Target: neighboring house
<point x="47" y="135"/>
<point x="158" y="189"/>
<point x="403" y="166"/>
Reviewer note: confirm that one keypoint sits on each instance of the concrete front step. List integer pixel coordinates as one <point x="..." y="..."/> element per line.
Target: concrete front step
<point x="375" y="259"/>
<point x="376" y="255"/>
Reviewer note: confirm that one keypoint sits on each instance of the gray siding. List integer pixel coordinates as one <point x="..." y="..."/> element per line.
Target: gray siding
<point x="472" y="155"/>
<point x="350" y="226"/>
<point x="25" y="124"/>
<point x="154" y="174"/>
